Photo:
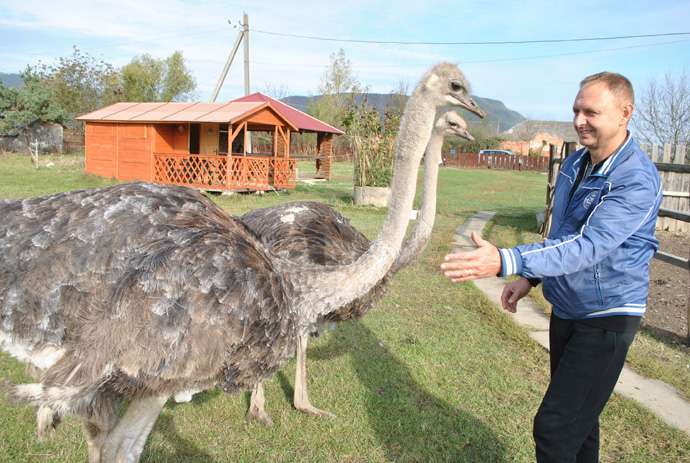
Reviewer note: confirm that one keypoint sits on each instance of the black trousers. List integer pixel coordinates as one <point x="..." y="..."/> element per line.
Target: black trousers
<point x="586" y="362"/>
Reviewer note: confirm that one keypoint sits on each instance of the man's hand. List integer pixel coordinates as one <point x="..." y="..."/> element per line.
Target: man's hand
<point x="513" y="292"/>
<point x="485" y="261"/>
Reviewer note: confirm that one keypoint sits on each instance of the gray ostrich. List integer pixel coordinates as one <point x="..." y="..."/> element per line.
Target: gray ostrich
<point x="144" y="291"/>
<point x="312" y="233"/>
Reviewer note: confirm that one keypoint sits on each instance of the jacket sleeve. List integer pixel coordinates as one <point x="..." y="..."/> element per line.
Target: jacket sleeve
<point x="632" y="201"/>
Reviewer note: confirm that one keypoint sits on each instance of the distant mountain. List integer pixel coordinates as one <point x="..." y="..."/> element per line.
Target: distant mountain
<point x="11" y="80"/>
<point x="495" y="110"/>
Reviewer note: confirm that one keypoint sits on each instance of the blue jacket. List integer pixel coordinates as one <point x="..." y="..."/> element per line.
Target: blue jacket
<point x="595" y="262"/>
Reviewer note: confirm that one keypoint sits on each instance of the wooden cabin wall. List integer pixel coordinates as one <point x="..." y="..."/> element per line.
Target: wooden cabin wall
<point x="101" y="149"/>
<point x="135" y="151"/>
<point x="181" y="141"/>
<point x="121" y="151"/>
<point x="165" y="138"/>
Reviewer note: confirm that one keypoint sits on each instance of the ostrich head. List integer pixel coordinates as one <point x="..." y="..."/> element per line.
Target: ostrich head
<point x="447" y="82"/>
<point x="452" y="124"/>
<point x="449" y="124"/>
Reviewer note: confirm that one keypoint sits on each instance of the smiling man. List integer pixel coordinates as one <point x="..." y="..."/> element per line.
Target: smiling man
<point x="594" y="267"/>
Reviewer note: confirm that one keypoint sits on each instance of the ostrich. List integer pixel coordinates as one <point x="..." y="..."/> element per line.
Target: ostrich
<point x="143" y="291"/>
<point x="312" y="233"/>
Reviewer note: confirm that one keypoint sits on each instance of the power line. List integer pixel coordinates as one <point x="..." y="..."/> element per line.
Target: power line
<point x="574" y="53"/>
<point x="516" y="42"/>
<point x="497" y="60"/>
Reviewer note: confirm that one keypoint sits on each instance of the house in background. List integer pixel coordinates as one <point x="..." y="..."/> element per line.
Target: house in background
<point x="203" y="145"/>
<point x="535" y="137"/>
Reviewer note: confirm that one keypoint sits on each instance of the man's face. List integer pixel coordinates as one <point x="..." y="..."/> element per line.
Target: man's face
<point x="600" y="119"/>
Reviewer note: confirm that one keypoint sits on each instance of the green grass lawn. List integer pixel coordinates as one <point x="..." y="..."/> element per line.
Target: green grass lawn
<point x="435" y="373"/>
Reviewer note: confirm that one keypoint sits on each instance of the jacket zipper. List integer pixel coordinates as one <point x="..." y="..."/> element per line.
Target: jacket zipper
<point x="597" y="281"/>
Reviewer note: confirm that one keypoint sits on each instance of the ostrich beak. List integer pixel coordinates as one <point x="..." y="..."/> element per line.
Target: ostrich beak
<point x="463" y="134"/>
<point x="469" y="104"/>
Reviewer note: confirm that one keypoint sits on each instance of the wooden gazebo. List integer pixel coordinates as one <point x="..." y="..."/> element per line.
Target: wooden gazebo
<point x="202" y="145"/>
<point x="306" y="124"/>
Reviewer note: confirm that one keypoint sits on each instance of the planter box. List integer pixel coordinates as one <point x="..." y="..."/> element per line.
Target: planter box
<point x="372" y="195"/>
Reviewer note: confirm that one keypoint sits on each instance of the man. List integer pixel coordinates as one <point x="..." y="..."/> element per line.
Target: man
<point x="594" y="267"/>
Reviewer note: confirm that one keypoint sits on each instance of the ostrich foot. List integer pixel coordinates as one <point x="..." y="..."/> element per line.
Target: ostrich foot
<point x="311" y="410"/>
<point x="260" y="415"/>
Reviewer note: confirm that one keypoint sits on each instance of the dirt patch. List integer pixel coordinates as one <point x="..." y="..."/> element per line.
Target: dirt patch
<point x="669" y="289"/>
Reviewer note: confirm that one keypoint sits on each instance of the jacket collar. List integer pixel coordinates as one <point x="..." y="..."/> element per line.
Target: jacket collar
<point x="611" y="161"/>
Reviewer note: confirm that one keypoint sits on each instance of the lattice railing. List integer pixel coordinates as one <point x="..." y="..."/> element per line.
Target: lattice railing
<point x="283" y="173"/>
<point x="248" y="172"/>
<point x="244" y="172"/>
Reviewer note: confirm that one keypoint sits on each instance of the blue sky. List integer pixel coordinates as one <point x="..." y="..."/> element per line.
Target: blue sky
<point x="539" y="80"/>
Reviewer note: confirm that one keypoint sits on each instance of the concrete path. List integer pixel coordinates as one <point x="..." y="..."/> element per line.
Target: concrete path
<point x="657" y="396"/>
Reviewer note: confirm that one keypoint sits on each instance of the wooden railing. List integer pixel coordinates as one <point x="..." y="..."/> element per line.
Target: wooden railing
<point x="224" y="172"/>
<point x="283" y="172"/>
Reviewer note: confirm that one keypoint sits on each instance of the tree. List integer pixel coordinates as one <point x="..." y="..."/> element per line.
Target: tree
<point x="339" y="87"/>
<point x="28" y="104"/>
<point x="148" y="79"/>
<point x="662" y="114"/>
<point x="397" y="98"/>
<point x="80" y="83"/>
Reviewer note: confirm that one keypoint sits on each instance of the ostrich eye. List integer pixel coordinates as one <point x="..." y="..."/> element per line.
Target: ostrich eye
<point x="453" y="124"/>
<point x="456" y="86"/>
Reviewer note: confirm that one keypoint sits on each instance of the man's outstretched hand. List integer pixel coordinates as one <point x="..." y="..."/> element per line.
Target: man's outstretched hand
<point x="485" y="261"/>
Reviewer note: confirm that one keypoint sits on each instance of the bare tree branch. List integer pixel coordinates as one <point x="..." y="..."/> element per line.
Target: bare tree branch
<point x="662" y="114"/>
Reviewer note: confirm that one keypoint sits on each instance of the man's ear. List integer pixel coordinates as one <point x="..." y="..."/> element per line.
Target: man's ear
<point x="626" y="113"/>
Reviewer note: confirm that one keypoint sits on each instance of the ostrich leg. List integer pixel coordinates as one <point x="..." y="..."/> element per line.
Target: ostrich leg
<point x="301" y="398"/>
<point x="125" y="443"/>
<point x="256" y="407"/>
<point x="96" y="429"/>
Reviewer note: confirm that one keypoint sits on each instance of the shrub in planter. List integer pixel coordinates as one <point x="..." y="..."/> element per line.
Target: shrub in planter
<point x="373" y="144"/>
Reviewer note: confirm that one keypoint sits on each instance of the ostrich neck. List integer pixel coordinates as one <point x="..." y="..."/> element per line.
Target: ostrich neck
<point x="413" y="246"/>
<point x="316" y="289"/>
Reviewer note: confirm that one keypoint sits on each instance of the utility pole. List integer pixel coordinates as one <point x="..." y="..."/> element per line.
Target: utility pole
<point x="244" y="34"/>
<point x="246" y="54"/>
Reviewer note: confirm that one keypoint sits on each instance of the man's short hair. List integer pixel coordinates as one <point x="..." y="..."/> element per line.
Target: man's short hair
<point x="617" y="84"/>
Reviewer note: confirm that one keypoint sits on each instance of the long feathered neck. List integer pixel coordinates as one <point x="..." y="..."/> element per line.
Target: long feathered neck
<point x="317" y="289"/>
<point x="413" y="246"/>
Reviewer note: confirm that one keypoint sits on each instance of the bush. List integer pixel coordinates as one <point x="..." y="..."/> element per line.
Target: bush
<point x="373" y="144"/>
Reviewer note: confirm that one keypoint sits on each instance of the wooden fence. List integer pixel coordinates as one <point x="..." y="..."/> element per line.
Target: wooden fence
<point x="73" y="140"/>
<point x="675" y="180"/>
<point x="496" y="161"/>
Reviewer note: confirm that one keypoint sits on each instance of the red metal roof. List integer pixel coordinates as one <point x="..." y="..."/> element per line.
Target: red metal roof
<point x="304" y="121"/>
<point x="182" y="112"/>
